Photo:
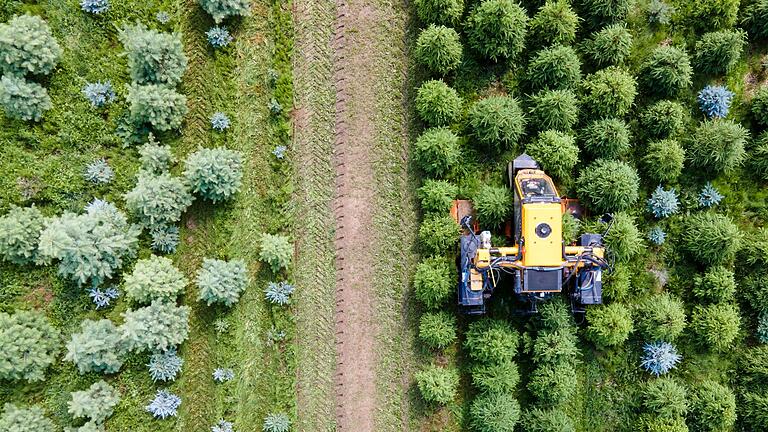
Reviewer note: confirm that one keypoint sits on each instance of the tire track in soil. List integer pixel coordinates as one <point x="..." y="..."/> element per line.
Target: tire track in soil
<point x="356" y="116"/>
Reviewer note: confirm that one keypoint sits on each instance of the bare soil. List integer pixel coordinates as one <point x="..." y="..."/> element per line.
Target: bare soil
<point x="355" y="137"/>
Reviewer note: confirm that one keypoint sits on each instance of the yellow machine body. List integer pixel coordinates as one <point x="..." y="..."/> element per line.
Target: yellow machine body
<point x="539" y="262"/>
<point x="542" y="252"/>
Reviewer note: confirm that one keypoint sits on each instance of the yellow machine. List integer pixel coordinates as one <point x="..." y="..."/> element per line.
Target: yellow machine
<point x="539" y="263"/>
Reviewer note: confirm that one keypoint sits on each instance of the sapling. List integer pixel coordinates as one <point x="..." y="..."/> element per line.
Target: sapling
<point x="220" y="121"/>
<point x="279" y="293"/>
<point x="99" y="93"/>
<point x="164" y="405"/>
<point x="165" y="365"/>
<point x="659" y="357"/>
<point x="96" y="7"/>
<point x="223" y="375"/>
<point x="663" y="203"/>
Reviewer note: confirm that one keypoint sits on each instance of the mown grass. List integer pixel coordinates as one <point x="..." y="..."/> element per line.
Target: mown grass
<point x="315" y="181"/>
<point x="42" y="164"/>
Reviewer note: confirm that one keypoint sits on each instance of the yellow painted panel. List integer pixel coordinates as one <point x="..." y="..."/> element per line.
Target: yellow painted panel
<point x="548" y="251"/>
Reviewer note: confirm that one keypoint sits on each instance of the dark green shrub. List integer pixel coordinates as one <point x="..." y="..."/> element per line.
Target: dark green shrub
<point x="601" y="13"/>
<point x="436" y="151"/>
<point x="497" y="122"/>
<point x="554" y="315"/>
<point x="495" y="378"/>
<point x="717" y="146"/>
<point x="606" y="138"/>
<point x="609" y="325"/>
<point x="553" y="384"/>
<point x="491" y="341"/>
<point x="496" y="29"/>
<point x="154" y="57"/>
<point x="663" y="160"/>
<point x="754" y="411"/>
<point x="660" y="318"/>
<point x="753" y="256"/>
<point x="437" y="196"/>
<point x="716" y="326"/>
<point x="494" y="412"/>
<point x="711" y="238"/>
<point x="553" y="109"/>
<point x="556" y="152"/>
<point x="716" y="285"/>
<point x="665" y="398"/>
<point x="157" y="105"/>
<point x="609" y="92"/>
<point x="667" y="71"/>
<point x="754" y="290"/>
<point x="439" y="11"/>
<point x="718" y="52"/>
<point x="433" y="282"/>
<point x="617" y="283"/>
<point x="438" y="234"/>
<point x="555" y="23"/>
<point x="547" y="420"/>
<point x="23" y="100"/>
<point x="556" y="67"/>
<point x="756" y="19"/>
<point x="708" y="15"/>
<point x="437" y="329"/>
<point x="712" y="408"/>
<point x="556" y="346"/>
<point x="609" y="46"/>
<point x="439" y="49"/>
<point x="571" y="227"/>
<point x="493" y="204"/>
<point x="437" y="104"/>
<point x="758" y="160"/>
<point x="760" y="106"/>
<point x="663" y="119"/>
<point x="28" y="47"/>
<point x="608" y="186"/>
<point x="30" y="344"/>
<point x="437" y="384"/>
<point x="624" y="239"/>
<point x="652" y="423"/>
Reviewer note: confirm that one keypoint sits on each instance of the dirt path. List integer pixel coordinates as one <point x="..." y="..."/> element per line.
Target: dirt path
<point x="349" y="70"/>
<point x="356" y="328"/>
